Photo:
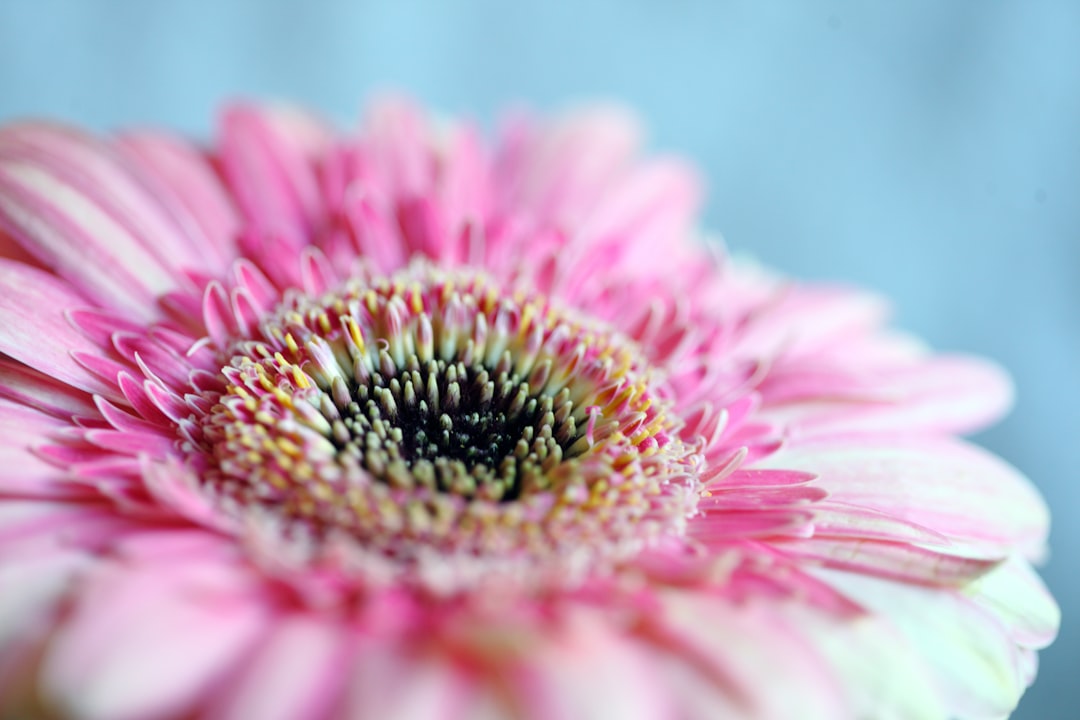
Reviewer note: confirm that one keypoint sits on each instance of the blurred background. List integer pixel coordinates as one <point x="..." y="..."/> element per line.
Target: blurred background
<point x="928" y="149"/>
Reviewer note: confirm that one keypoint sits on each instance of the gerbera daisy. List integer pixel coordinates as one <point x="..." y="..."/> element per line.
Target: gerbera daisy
<point x="400" y="424"/>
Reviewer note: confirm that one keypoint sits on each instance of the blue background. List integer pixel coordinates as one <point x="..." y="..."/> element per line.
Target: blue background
<point x="930" y="150"/>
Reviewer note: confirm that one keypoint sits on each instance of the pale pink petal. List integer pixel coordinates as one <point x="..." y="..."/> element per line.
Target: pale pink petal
<point x="296" y="672"/>
<point x="771" y="669"/>
<point x="839" y="520"/>
<point x="878" y="666"/>
<point x="396" y="152"/>
<point x="1014" y="594"/>
<point x="948" y="394"/>
<point x="560" y="172"/>
<point x="464" y="190"/>
<point x="29" y="526"/>
<point x="974" y="664"/>
<point x="41" y="581"/>
<point x="931" y="482"/>
<point x="897" y="560"/>
<point x="804" y="321"/>
<point x="392" y="682"/>
<point x="651" y="205"/>
<point x="35" y="587"/>
<point x="146" y="641"/>
<point x="587" y="671"/>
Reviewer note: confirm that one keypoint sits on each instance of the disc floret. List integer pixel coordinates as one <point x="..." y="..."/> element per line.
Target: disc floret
<point x="430" y="411"/>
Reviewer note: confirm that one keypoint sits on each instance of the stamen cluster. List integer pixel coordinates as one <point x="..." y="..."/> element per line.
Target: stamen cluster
<point x="429" y="410"/>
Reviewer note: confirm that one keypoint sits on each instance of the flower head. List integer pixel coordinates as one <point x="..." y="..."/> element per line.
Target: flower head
<point x="401" y="424"/>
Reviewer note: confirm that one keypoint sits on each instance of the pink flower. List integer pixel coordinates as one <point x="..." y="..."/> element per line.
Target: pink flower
<point x="398" y="424"/>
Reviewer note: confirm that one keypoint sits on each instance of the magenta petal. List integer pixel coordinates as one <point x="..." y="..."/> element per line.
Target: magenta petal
<point x="139" y="397"/>
<point x="217" y="315"/>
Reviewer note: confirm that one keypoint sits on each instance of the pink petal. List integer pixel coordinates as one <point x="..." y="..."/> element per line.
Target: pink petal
<point x="258" y="286"/>
<point x="102" y="368"/>
<point x="393" y="683"/>
<point x="35" y="331"/>
<point x="299" y="671"/>
<point x="805" y="320"/>
<point x="268" y="168"/>
<point x="24" y="473"/>
<point x="718" y="526"/>
<point x="155" y="359"/>
<point x="650" y="205"/>
<point x="948" y="486"/>
<point x="27" y="386"/>
<point x="752" y="657"/>
<point x="138" y="396"/>
<point x="13" y="250"/>
<point x="41" y="582"/>
<point x="565" y="168"/>
<point x="945" y="394"/>
<point x="126" y="422"/>
<point x="839" y="520"/>
<point x="151" y="443"/>
<point x="146" y="641"/>
<point x="197" y="199"/>
<point x="100" y="325"/>
<point x="895" y="560"/>
<point x="586" y="670"/>
<point x="177" y="487"/>
<point x="217" y="315"/>
<point x="465" y="190"/>
<point x="28" y="526"/>
<point x="317" y="275"/>
<point x="396" y="145"/>
<point x="66" y="200"/>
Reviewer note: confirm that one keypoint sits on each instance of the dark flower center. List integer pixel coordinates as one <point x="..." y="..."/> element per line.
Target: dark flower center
<point x="466" y="430"/>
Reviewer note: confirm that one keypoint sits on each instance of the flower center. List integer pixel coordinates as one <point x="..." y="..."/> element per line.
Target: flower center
<point x="430" y="412"/>
<point x="469" y="430"/>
